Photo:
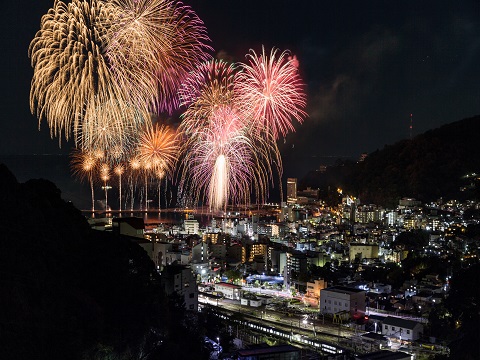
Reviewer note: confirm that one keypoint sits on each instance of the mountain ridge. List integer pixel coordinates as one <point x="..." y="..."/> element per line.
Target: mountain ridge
<point x="430" y="166"/>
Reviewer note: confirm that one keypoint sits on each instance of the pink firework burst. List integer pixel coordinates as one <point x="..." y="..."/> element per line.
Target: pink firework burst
<point x="222" y="162"/>
<point x="270" y="91"/>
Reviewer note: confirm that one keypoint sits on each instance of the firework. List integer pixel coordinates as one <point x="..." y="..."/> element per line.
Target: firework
<point x="157" y="152"/>
<point x="104" y="174"/>
<point x="270" y="91"/>
<point x="152" y="45"/>
<point x="94" y="58"/>
<point x="224" y="162"/>
<point x="204" y="91"/>
<point x="134" y="167"/>
<point x="158" y="149"/>
<point x="71" y="75"/>
<point x="119" y="169"/>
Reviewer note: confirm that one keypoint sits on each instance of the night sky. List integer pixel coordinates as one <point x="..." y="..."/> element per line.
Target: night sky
<point x="366" y="64"/>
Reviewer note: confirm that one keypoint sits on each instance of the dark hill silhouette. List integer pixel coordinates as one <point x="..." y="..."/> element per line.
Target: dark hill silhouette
<point x="430" y="166"/>
<point x="68" y="292"/>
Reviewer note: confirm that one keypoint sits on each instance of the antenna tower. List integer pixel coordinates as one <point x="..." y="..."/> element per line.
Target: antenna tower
<point x="411" y="125"/>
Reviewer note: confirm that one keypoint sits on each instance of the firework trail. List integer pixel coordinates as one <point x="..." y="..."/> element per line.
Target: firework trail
<point x="270" y="92"/>
<point x="119" y="169"/>
<point x="134" y="167"/>
<point x="104" y="174"/>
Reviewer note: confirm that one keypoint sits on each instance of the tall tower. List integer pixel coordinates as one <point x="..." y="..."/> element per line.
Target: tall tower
<point x="411" y="125"/>
<point x="291" y="191"/>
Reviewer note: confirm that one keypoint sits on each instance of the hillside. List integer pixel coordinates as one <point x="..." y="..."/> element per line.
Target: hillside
<point x="68" y="292"/>
<point x="430" y="166"/>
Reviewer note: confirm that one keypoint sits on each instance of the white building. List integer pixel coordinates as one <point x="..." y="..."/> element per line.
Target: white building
<point x="340" y="298"/>
<point x="191" y="226"/>
<point x="402" y="329"/>
<point x="229" y="291"/>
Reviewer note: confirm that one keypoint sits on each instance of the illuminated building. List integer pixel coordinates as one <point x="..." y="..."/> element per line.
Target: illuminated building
<point x="291" y="191"/>
<point x="313" y="289"/>
<point x="257" y="250"/>
<point x="191" y="226"/>
<point x="363" y="251"/>
<point x="402" y="329"/>
<point x="237" y="252"/>
<point x="337" y="299"/>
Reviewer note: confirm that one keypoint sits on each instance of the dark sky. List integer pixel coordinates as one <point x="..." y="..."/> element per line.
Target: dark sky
<point x="367" y="66"/>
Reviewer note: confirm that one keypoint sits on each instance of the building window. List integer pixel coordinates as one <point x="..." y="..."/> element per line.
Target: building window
<point x="386" y="327"/>
<point x="408" y="332"/>
<point x="393" y="328"/>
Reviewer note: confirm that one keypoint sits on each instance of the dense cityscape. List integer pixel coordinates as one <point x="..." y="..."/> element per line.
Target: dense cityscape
<point x="342" y="281"/>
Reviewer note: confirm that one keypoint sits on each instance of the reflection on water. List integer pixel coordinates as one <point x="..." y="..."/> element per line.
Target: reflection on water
<point x="155" y="217"/>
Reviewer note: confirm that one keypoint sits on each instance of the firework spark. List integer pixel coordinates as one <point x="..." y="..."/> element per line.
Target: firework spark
<point x="113" y="136"/>
<point x="270" y="91"/>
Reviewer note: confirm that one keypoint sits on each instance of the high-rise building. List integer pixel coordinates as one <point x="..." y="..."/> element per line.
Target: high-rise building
<point x="291" y="191"/>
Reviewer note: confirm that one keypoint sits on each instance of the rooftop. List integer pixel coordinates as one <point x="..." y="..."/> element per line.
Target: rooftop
<point x="267" y="350"/>
<point x="403" y="323"/>
<point x="343" y="290"/>
<point x="384" y="355"/>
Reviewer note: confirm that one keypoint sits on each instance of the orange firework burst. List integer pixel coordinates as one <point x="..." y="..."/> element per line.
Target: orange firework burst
<point x="83" y="165"/>
<point x="158" y="149"/>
